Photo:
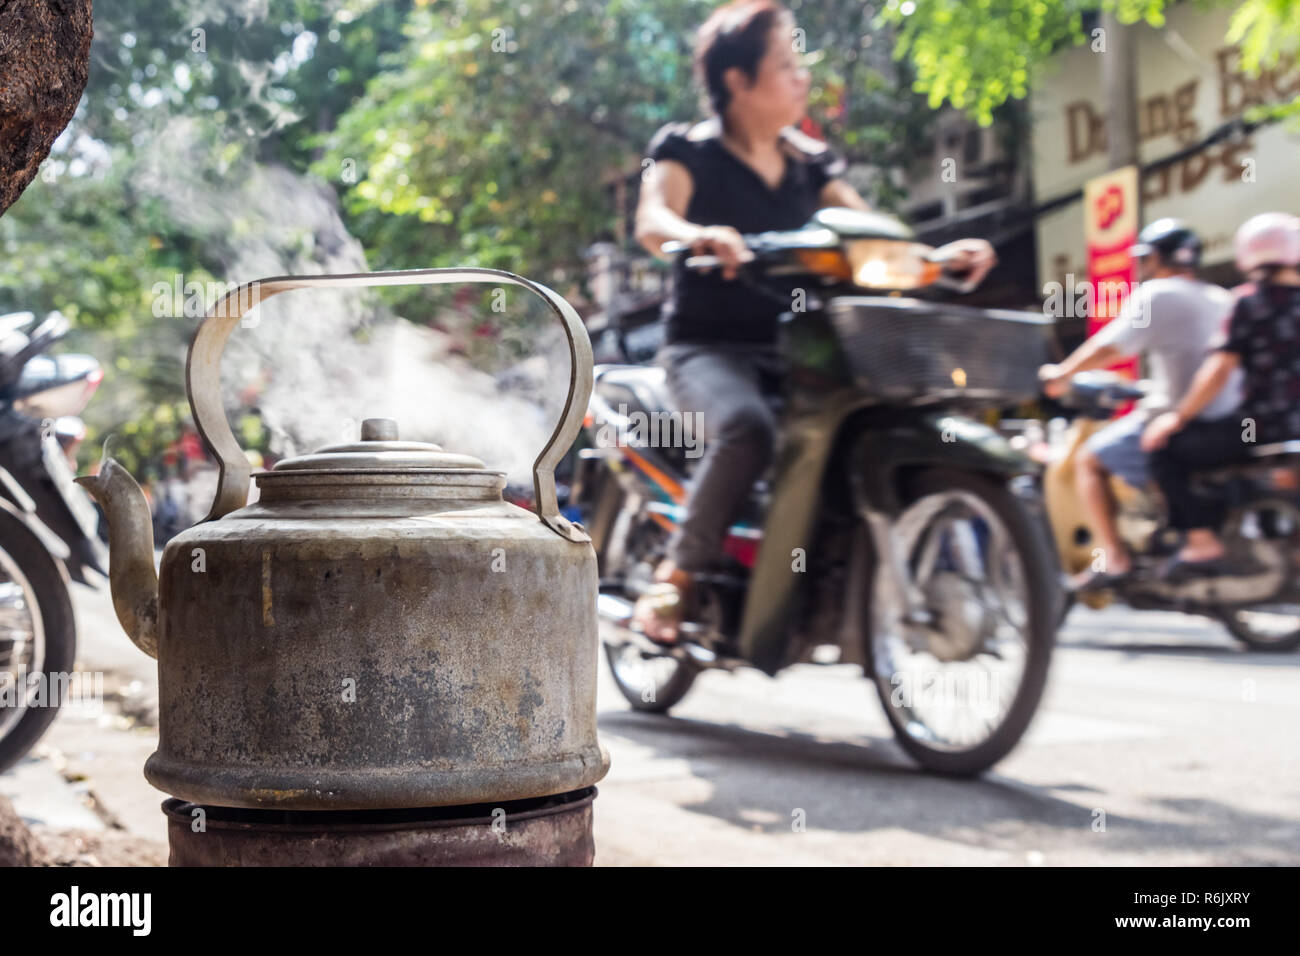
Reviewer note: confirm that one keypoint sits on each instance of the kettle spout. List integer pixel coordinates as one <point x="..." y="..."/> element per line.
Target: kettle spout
<point x="131" y="574"/>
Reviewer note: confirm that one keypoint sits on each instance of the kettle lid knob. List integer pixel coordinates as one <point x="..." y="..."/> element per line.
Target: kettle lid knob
<point x="379" y="429"/>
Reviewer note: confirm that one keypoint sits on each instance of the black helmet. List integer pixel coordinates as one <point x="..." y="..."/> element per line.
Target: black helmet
<point x="1173" y="239"/>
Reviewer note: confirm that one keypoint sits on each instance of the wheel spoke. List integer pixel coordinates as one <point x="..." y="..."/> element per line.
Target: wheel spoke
<point x="954" y="694"/>
<point x="22" y="636"/>
<point x="1267" y="532"/>
<point x="929" y="555"/>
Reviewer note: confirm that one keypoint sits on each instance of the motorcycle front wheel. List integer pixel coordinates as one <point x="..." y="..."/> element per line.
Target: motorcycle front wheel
<point x="961" y="686"/>
<point x="38" y="638"/>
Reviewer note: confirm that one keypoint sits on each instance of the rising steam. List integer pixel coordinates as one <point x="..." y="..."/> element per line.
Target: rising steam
<point x="313" y="378"/>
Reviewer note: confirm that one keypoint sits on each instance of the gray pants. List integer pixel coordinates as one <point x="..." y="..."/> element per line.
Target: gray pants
<point x="726" y="384"/>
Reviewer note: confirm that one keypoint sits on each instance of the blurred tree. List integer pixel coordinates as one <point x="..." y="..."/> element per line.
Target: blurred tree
<point x="1269" y="32"/>
<point x="862" y="94"/>
<point x="93" y="235"/>
<point x="495" y="142"/>
<point x="454" y="132"/>
<point x="490" y="142"/>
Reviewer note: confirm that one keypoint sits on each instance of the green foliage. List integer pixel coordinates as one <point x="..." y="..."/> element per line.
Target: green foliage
<point x="883" y="123"/>
<point x="1269" y="34"/>
<point x="76" y="244"/>
<point x="497" y="134"/>
<point x="454" y="132"/>
<point x="977" y="54"/>
<point x="90" y="238"/>
<point x="489" y="143"/>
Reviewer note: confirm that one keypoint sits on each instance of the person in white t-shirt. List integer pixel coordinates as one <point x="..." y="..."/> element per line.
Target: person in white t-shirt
<point x="1170" y="319"/>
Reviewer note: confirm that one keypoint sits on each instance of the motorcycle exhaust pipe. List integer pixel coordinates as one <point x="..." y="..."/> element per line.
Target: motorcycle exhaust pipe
<point x="614" y="609"/>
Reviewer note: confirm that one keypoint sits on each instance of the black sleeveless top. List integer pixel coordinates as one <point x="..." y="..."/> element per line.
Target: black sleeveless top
<point x="704" y="308"/>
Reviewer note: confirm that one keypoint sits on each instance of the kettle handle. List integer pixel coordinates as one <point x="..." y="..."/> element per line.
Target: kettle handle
<point x="203" y="377"/>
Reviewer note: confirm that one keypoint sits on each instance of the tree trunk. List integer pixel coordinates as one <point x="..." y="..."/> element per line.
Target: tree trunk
<point x="44" y="62"/>
<point x="18" y="847"/>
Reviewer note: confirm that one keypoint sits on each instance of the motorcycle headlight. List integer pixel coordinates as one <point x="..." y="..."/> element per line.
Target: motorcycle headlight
<point x="891" y="264"/>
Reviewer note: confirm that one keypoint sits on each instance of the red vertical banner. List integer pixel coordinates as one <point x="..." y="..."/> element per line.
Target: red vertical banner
<point x="1110" y="228"/>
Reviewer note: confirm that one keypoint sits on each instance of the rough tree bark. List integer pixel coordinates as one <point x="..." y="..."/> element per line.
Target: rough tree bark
<point x="18" y="847"/>
<point x="44" y="62"/>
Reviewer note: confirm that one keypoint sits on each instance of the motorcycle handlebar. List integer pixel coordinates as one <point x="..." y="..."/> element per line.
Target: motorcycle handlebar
<point x="947" y="280"/>
<point x="703" y="262"/>
<point x="1103" y="391"/>
<point x="675" y="247"/>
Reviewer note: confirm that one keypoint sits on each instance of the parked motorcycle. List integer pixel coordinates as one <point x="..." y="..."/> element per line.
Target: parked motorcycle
<point x="48" y="525"/>
<point x="1258" y="599"/>
<point x="894" y="531"/>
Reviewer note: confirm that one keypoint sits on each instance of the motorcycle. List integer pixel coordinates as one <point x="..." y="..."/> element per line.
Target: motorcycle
<point x="49" y="527"/>
<point x="1257" y="597"/>
<point x="894" y="531"/>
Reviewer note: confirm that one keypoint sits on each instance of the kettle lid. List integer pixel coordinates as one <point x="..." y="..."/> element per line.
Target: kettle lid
<point x="379" y="450"/>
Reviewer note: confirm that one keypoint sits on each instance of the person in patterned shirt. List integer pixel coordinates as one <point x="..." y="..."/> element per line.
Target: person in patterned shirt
<point x="1262" y="337"/>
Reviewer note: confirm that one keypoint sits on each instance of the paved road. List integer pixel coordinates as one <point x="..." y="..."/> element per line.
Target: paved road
<point x="1186" y="743"/>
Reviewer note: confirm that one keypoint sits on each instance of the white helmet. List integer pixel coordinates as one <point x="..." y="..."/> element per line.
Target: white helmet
<point x="1269" y="239"/>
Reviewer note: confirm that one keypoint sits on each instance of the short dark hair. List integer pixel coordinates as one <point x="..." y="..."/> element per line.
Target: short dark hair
<point x="734" y="35"/>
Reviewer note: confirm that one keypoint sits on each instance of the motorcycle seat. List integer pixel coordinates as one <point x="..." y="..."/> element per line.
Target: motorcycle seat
<point x="641" y="388"/>
<point x="641" y="392"/>
<point x="1285" y="454"/>
<point x="645" y="388"/>
<point x="624" y="390"/>
<point x="1277" y="453"/>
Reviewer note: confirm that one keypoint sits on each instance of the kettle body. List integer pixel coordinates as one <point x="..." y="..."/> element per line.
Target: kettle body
<point x="379" y="629"/>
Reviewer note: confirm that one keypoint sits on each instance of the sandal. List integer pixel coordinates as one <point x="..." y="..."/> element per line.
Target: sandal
<point x="1091" y="581"/>
<point x="659" y="612"/>
<point x="1178" y="569"/>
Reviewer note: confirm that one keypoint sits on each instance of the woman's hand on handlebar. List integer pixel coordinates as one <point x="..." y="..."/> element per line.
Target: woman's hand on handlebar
<point x="969" y="258"/>
<point x="1055" y="383"/>
<point x="725" y="243"/>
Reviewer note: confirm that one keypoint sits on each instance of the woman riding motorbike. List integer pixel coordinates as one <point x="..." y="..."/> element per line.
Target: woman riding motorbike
<point x="744" y="170"/>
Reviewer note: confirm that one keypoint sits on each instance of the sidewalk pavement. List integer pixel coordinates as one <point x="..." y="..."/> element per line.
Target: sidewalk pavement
<point x="82" y="790"/>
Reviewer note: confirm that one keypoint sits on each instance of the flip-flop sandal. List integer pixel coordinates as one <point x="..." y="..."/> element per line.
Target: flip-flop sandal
<point x="663" y="602"/>
<point x="1100" y="581"/>
<point x="1177" y="569"/>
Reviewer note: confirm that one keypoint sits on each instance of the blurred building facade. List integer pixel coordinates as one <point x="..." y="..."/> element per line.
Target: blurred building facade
<point x="1201" y="160"/>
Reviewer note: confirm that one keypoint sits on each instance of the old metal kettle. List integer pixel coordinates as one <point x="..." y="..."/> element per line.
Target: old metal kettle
<point x="380" y="629"/>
